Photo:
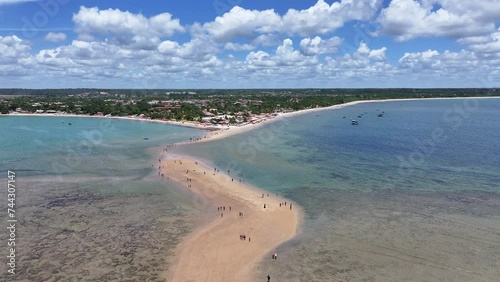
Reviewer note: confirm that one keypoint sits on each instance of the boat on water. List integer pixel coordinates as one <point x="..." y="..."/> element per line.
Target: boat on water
<point x="360" y="116"/>
<point x="380" y="115"/>
<point x="343" y="117"/>
<point x="354" y="122"/>
<point x="69" y="123"/>
<point x="146" y="138"/>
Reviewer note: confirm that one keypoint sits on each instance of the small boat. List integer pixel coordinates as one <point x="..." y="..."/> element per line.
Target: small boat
<point x="380" y="115"/>
<point x="343" y="117"/>
<point x="69" y="123"/>
<point x="354" y="122"/>
<point x="146" y="138"/>
<point x="360" y="116"/>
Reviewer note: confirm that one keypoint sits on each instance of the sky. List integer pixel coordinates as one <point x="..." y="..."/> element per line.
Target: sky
<point x="249" y="44"/>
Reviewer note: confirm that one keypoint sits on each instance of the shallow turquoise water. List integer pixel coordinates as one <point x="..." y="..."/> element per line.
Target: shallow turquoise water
<point x="410" y="196"/>
<point x="396" y="151"/>
<point x="86" y="196"/>
<point x="105" y="147"/>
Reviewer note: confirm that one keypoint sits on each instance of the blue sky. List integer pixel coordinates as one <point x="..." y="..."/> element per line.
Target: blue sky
<point x="249" y="44"/>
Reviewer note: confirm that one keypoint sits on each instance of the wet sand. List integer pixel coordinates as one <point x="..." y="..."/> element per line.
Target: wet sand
<point x="215" y="252"/>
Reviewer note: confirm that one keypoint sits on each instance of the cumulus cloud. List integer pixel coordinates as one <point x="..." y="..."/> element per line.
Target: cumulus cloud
<point x="238" y="47"/>
<point x="407" y="19"/>
<point x="117" y="22"/>
<point x="320" y="18"/>
<point x="55" y="36"/>
<point x="456" y="68"/>
<point x="488" y="44"/>
<point x="317" y="45"/>
<point x="132" y="50"/>
<point x="12" y="49"/>
<point x="285" y="55"/>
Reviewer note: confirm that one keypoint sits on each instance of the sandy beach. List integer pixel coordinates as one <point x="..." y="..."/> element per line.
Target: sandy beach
<point x="215" y="251"/>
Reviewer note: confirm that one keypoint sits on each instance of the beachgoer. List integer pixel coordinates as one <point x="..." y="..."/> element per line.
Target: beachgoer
<point x="248" y="239"/>
<point x="268" y="278"/>
<point x="290" y="206"/>
<point x="229" y="208"/>
<point x="264" y="205"/>
<point x="280" y="205"/>
<point x="221" y="215"/>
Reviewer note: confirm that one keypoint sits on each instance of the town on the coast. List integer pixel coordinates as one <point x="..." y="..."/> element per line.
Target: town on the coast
<point x="201" y="107"/>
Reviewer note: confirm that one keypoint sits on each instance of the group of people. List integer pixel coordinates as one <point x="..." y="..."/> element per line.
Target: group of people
<point x="284" y="204"/>
<point x="244" y="238"/>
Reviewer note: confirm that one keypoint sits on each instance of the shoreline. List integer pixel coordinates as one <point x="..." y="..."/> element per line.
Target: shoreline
<point x="234" y="130"/>
<point x="186" y="265"/>
<point x="213" y="251"/>
<point x="218" y="132"/>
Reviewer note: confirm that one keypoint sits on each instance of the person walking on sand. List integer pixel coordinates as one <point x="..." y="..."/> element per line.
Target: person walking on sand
<point x="268" y="278"/>
<point x="290" y="206"/>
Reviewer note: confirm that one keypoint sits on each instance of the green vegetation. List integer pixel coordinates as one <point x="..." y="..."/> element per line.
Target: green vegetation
<point x="216" y="106"/>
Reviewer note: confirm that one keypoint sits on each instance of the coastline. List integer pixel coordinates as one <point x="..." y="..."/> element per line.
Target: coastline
<point x="234" y="130"/>
<point x="214" y="251"/>
<point x="216" y="132"/>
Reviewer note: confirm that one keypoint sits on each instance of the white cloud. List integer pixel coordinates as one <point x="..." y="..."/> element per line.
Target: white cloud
<point x="407" y="19"/>
<point x="285" y="55"/>
<point x="12" y="48"/>
<point x="242" y="23"/>
<point x="320" y="18"/>
<point x="317" y="45"/>
<point x="55" y="36"/>
<point x="238" y="47"/>
<point x="420" y="60"/>
<point x="323" y="18"/>
<point x="116" y="22"/>
<point x="457" y="69"/>
<point x="488" y="44"/>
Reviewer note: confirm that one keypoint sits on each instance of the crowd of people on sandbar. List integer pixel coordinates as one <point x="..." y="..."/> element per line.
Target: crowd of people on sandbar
<point x="222" y="209"/>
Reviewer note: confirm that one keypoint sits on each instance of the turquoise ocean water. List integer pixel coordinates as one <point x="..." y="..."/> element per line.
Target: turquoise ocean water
<point x="395" y="198"/>
<point x="89" y="203"/>
<point x="410" y="196"/>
